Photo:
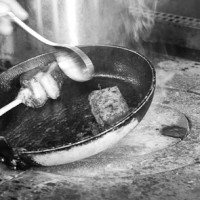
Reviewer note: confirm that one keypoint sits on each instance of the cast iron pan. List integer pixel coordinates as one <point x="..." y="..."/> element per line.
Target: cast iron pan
<point x="64" y="130"/>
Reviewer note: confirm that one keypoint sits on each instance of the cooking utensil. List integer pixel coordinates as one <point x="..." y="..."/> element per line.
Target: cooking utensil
<point x="10" y="106"/>
<point x="64" y="130"/>
<point x="74" y="62"/>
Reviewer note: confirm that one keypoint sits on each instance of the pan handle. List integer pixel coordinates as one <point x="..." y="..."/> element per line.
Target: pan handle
<point x="9" y="157"/>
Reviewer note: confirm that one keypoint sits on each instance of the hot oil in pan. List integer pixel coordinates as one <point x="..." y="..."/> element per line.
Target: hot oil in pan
<point x="63" y="121"/>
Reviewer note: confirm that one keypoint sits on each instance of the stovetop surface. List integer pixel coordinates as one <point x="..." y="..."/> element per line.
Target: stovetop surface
<point x="166" y="172"/>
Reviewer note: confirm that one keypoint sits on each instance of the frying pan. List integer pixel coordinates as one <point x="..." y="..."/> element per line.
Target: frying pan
<point x="64" y="130"/>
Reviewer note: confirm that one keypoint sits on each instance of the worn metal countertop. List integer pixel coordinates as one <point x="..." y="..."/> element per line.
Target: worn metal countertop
<point x="161" y="172"/>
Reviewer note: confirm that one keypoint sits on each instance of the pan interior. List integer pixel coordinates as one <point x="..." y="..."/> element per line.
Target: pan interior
<point x="69" y="119"/>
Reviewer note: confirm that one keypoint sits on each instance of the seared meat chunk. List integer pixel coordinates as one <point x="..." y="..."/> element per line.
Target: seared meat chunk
<point x="108" y="105"/>
<point x="39" y="85"/>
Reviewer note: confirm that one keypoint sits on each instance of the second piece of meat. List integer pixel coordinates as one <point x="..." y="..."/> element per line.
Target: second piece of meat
<point x="38" y="85"/>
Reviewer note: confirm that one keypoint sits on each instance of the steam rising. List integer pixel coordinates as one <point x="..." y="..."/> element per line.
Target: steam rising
<point x="140" y="20"/>
<point x="116" y="22"/>
<point x="128" y="21"/>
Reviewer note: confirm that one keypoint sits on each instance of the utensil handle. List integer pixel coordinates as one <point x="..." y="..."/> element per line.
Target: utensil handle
<point x="9" y="106"/>
<point x="30" y="30"/>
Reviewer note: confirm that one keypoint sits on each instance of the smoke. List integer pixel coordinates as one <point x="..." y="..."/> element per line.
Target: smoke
<point x="141" y="19"/>
<point x="163" y="77"/>
<point x="119" y="22"/>
<point x="137" y="20"/>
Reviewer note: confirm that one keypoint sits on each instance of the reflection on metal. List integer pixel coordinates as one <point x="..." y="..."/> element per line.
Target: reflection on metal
<point x="72" y="21"/>
<point x="39" y="16"/>
<point x="55" y="19"/>
<point x="6" y="47"/>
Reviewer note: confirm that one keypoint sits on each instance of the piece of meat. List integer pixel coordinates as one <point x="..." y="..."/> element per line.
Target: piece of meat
<point x="49" y="85"/>
<point x="33" y="96"/>
<point x="40" y="84"/>
<point x="108" y="105"/>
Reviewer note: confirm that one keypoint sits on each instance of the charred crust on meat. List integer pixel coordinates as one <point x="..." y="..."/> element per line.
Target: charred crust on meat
<point x="108" y="105"/>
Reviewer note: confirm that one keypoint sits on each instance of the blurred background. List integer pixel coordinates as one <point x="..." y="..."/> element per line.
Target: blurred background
<point x="169" y="26"/>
